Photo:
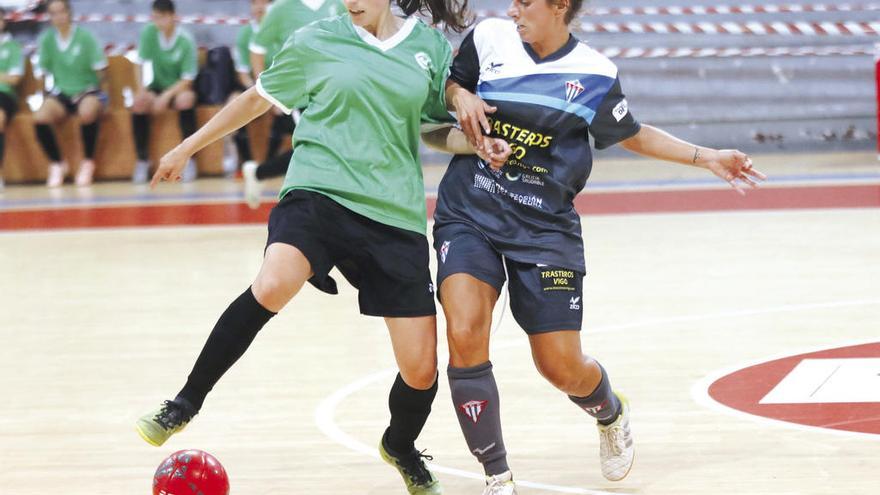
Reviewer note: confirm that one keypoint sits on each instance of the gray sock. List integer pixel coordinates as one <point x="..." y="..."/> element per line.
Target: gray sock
<point x="475" y="397"/>
<point x="601" y="404"/>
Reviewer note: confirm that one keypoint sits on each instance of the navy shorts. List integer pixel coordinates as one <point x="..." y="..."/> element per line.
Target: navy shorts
<point x="388" y="265"/>
<point x="542" y="298"/>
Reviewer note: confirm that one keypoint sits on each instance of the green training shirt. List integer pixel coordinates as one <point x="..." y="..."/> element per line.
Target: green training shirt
<point x="72" y="63"/>
<point x="358" y="139"/>
<point x="167" y="61"/>
<point x="242" y="52"/>
<point x="286" y="16"/>
<point x="11" y="61"/>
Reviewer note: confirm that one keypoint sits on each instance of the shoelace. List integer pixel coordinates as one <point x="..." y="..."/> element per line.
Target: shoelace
<point x="495" y="486"/>
<point x="171" y="415"/>
<point x="615" y="438"/>
<point x="415" y="468"/>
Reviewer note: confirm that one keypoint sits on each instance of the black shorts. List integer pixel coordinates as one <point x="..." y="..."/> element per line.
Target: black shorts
<point x="71" y="103"/>
<point x="388" y="265"/>
<point x="542" y="298"/>
<point x="9" y="105"/>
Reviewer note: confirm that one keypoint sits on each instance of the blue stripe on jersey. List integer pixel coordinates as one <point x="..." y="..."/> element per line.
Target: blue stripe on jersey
<point x="549" y="90"/>
<point x="546" y="101"/>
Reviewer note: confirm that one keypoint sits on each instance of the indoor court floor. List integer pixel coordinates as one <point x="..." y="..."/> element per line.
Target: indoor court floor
<point x="700" y="304"/>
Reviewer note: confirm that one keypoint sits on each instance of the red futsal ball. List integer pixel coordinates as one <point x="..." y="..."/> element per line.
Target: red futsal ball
<point x="190" y="472"/>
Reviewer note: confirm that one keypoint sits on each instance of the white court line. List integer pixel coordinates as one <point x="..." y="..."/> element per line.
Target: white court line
<point x="326" y="410"/>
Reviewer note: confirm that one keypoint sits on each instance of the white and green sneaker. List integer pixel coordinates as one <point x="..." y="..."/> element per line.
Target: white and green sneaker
<point x="419" y="480"/>
<point x="616" y="450"/>
<point x="158" y="426"/>
<point x="500" y="484"/>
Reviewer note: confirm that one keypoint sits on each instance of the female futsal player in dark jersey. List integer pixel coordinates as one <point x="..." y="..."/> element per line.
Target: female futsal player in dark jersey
<point x="545" y="92"/>
<point x="353" y="198"/>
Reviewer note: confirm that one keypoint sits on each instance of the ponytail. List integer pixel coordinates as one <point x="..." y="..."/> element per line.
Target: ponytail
<point x="454" y="14"/>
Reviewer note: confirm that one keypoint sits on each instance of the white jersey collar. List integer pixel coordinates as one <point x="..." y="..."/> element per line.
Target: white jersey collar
<point x="391" y="42"/>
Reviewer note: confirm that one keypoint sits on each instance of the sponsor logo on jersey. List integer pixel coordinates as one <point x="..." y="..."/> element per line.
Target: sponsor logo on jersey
<point x="76" y="51"/>
<point x="620" y="110"/>
<point x="423" y="60"/>
<point x="4" y="53"/>
<point x="473" y="409"/>
<point x="573" y="89"/>
<point x="444" y="251"/>
<point x="430" y="288"/>
<point x="574" y="304"/>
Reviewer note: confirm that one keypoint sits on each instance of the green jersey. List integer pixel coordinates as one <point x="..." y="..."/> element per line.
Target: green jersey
<point x="73" y="62"/>
<point x="11" y="61"/>
<point x="242" y="52"/>
<point x="167" y="61"/>
<point x="357" y="141"/>
<point x="286" y="16"/>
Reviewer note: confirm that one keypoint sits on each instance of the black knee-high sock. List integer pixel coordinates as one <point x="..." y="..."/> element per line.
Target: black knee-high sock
<point x="275" y="166"/>
<point x="187" y="122"/>
<point x="243" y="145"/>
<point x="410" y="408"/>
<point x="230" y="338"/>
<point x="140" y="123"/>
<point x="48" y="142"/>
<point x="281" y="126"/>
<point x="89" y="134"/>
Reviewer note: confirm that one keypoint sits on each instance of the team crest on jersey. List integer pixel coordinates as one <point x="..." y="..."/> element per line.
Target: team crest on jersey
<point x="423" y="60"/>
<point x="573" y="89"/>
<point x="4" y="53"/>
<point x="444" y="251"/>
<point x="474" y="409"/>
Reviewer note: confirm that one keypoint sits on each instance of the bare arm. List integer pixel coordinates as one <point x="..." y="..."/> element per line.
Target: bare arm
<point x="451" y="139"/>
<point x="258" y="63"/>
<point x="470" y="110"/>
<point x="232" y="117"/>
<point x="729" y="165"/>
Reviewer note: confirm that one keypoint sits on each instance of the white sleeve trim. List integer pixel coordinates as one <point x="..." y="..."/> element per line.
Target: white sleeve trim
<point x="259" y="50"/>
<point x="16" y="71"/>
<point x="100" y="65"/>
<point x="271" y="99"/>
<point x="188" y="77"/>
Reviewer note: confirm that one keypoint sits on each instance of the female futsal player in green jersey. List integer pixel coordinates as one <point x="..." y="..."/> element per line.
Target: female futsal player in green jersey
<point x="353" y="198"/>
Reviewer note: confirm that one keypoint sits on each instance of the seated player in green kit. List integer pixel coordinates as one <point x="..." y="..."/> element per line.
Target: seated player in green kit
<point x="72" y="65"/>
<point x="167" y="67"/>
<point x="11" y="72"/>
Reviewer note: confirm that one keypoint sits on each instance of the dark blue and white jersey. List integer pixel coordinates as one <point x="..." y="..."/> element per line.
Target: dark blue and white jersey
<point x="547" y="109"/>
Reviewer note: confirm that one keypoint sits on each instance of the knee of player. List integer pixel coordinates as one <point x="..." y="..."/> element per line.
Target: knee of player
<point x="467" y="333"/>
<point x="559" y="374"/>
<point x="270" y="289"/>
<point x="185" y="101"/>
<point x="420" y="375"/>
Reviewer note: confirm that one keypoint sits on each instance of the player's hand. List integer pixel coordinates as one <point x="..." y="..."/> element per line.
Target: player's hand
<point x="471" y="112"/>
<point x="162" y="103"/>
<point x="494" y="151"/>
<point x="734" y="167"/>
<point x="170" y="166"/>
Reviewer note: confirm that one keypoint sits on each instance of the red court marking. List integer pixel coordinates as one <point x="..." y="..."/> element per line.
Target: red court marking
<point x="620" y="202"/>
<point x="743" y="389"/>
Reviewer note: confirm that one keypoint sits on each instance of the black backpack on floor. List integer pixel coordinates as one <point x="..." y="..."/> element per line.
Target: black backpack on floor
<point x="217" y="78"/>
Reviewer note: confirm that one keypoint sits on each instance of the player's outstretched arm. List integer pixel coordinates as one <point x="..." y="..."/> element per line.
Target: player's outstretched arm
<point x="733" y="166"/>
<point x="232" y="117"/>
<point x="451" y="139"/>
